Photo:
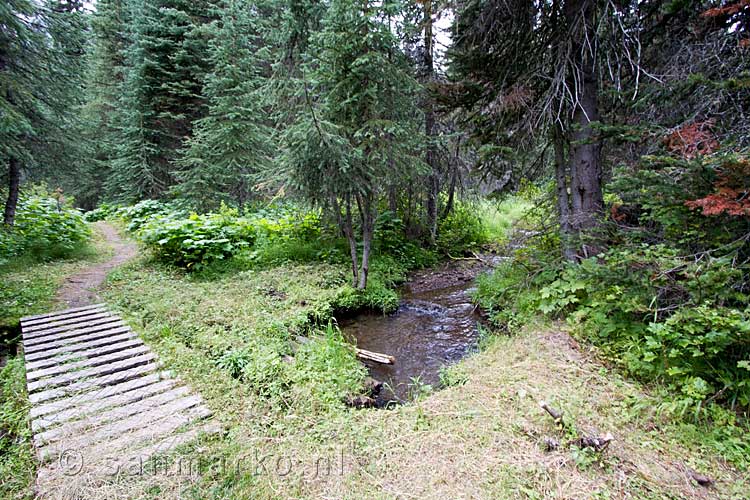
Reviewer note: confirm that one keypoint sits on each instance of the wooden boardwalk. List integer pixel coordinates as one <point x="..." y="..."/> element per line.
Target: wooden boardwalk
<point x="100" y="404"/>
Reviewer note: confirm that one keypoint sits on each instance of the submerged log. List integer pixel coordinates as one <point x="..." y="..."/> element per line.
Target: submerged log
<point x="375" y="356"/>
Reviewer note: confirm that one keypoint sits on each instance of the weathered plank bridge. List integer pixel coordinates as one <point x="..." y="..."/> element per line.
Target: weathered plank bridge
<point x="99" y="399"/>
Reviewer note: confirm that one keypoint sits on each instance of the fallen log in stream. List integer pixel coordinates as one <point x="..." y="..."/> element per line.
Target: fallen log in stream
<point x="376" y="357"/>
<point x="363" y="354"/>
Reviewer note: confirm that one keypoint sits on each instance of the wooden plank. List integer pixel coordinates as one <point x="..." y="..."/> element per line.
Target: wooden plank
<point x="147" y="423"/>
<point x="101" y="465"/>
<point x="41" y="329"/>
<point x="97" y="371"/>
<point x="85" y="350"/>
<point x="92" y="384"/>
<point x="99" y="336"/>
<point x="81" y="409"/>
<point x="95" y="389"/>
<point x="106" y="396"/>
<point x="81" y="426"/>
<point x="375" y="356"/>
<point x="130" y="351"/>
<point x="69" y="315"/>
<point x="158" y="430"/>
<point x="81" y="335"/>
<point x="64" y="311"/>
<point x="32" y="332"/>
<point x="176" y="439"/>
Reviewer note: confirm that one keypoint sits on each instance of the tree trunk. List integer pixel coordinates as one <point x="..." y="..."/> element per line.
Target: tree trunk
<point x="433" y="181"/>
<point x="347" y="228"/>
<point x="392" y="200"/>
<point x="586" y="198"/>
<point x="563" y="200"/>
<point x="349" y="231"/>
<point x="454" y="181"/>
<point x="14" y="182"/>
<point x="365" y="205"/>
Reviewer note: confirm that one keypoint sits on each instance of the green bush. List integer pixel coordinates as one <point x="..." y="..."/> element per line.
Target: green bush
<point x="660" y="316"/>
<point x="286" y="223"/>
<point x="144" y="211"/>
<point x="102" y="212"/>
<point x="663" y="318"/>
<point x="197" y="240"/>
<point x="44" y="228"/>
<point x="461" y="231"/>
<point x="389" y="239"/>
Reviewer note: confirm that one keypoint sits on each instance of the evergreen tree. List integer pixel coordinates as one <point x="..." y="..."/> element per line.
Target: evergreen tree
<point x="166" y="65"/>
<point x="531" y="67"/>
<point x="232" y="142"/>
<point x="104" y="86"/>
<point x="358" y="134"/>
<point x="41" y="49"/>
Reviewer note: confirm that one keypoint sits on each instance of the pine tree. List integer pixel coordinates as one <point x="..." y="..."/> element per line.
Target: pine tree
<point x="528" y="67"/>
<point x="166" y="65"/>
<point x="41" y="49"/>
<point x="104" y="86"/>
<point x="232" y="142"/>
<point x="358" y="134"/>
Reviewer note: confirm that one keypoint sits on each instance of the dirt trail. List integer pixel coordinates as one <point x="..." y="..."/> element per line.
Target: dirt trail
<point x="81" y="289"/>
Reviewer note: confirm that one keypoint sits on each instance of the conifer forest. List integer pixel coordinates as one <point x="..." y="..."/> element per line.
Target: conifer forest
<point x="315" y="249"/>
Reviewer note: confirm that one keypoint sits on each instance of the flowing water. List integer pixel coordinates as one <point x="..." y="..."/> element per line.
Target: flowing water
<point x="435" y="325"/>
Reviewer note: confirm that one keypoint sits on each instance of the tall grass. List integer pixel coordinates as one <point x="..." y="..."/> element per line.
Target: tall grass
<point x="499" y="217"/>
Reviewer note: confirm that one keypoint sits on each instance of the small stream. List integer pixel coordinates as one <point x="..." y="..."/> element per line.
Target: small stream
<point x="434" y="326"/>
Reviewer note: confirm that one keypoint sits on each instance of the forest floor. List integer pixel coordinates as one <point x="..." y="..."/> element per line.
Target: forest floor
<point x="482" y="437"/>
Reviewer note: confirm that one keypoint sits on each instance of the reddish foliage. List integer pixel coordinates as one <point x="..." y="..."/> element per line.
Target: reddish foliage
<point x="615" y="213"/>
<point x="744" y="43"/>
<point x="728" y="10"/>
<point x="692" y="140"/>
<point x="732" y="195"/>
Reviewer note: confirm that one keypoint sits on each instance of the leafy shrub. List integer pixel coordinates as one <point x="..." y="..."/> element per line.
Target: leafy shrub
<point x="44" y="227"/>
<point x="461" y="231"/>
<point x="292" y="234"/>
<point x="144" y="211"/>
<point x="286" y="223"/>
<point x="663" y="318"/>
<point x="102" y="212"/>
<point x="658" y="315"/>
<point x="389" y="239"/>
<point x="199" y="239"/>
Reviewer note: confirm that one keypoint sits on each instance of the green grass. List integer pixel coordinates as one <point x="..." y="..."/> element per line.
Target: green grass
<point x="17" y="459"/>
<point x="242" y="328"/>
<point x="500" y="217"/>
